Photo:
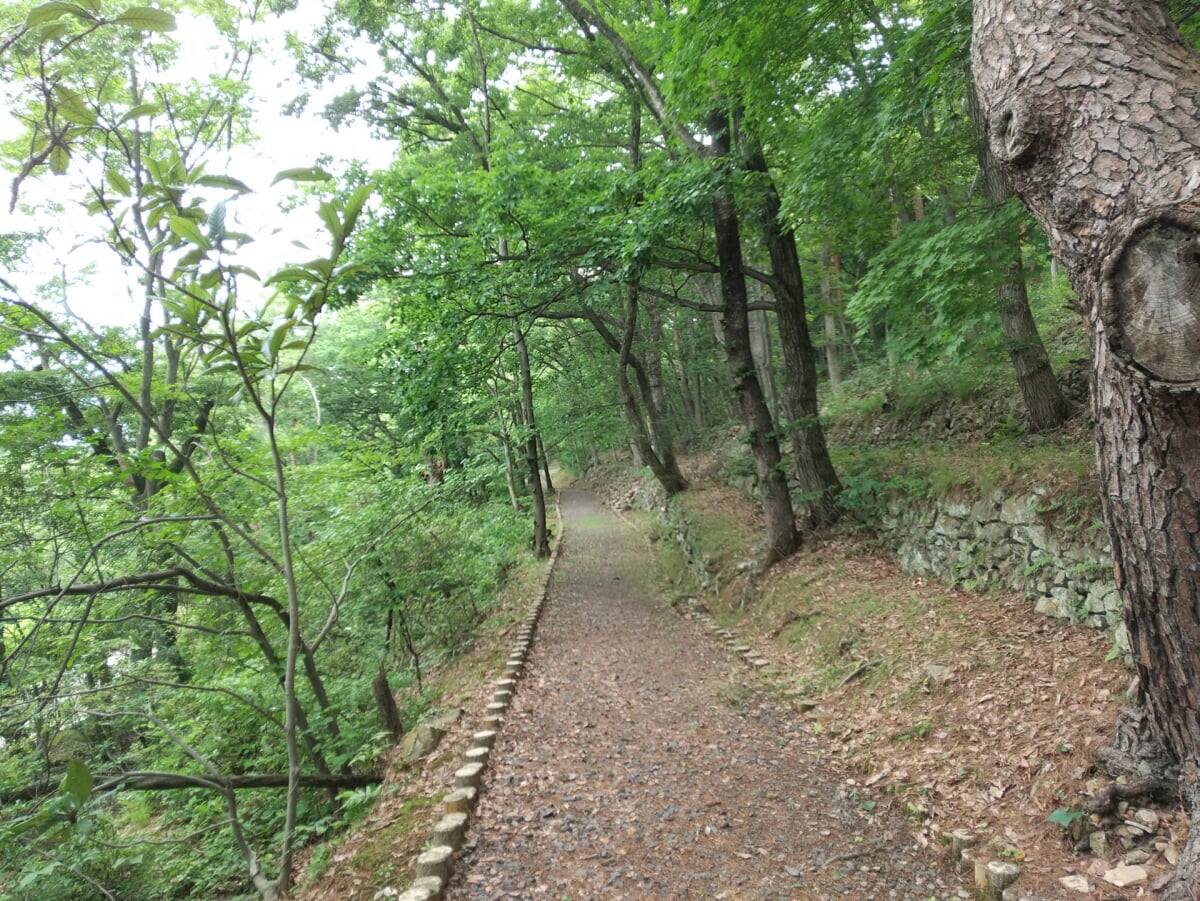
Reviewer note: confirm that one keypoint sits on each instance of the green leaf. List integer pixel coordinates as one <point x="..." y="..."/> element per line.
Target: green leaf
<point x="349" y="269"/>
<point x="118" y="182"/>
<point x="354" y="205"/>
<point x="275" y="338"/>
<point x="71" y="106"/>
<point x="333" y="223"/>
<point x="146" y="18"/>
<point x="52" y="31"/>
<point x="48" y="12"/>
<point x="187" y="229"/>
<point x="292" y="274"/>
<point x="244" y="270"/>
<point x="221" y="366"/>
<point x="216" y="221"/>
<point x="78" y="782"/>
<point x="313" y="174"/>
<point x="1064" y="817"/>
<point x="60" y="158"/>
<point x="224" y="181"/>
<point x="142" y="109"/>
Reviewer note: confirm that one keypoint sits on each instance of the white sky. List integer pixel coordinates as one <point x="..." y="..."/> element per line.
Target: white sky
<point x="283" y="143"/>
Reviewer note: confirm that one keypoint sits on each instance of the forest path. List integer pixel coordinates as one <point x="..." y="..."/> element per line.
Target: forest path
<point x="639" y="759"/>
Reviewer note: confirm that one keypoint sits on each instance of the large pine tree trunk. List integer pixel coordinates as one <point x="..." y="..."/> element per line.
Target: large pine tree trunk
<point x="1092" y="109"/>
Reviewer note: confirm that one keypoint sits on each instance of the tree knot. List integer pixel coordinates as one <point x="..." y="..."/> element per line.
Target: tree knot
<point x="1014" y="130"/>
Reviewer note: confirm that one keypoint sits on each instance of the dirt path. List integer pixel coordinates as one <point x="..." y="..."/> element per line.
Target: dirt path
<point x="640" y="760"/>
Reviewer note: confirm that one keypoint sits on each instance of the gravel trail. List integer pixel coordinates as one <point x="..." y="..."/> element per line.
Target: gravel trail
<point x="640" y="759"/>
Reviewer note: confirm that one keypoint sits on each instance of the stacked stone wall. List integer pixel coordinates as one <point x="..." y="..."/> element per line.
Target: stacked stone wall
<point x="1009" y="542"/>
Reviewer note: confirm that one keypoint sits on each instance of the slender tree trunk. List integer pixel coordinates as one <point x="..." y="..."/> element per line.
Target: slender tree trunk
<point x="681" y="374"/>
<point x="545" y="458"/>
<point x="664" y="465"/>
<point x="1047" y="406"/>
<point x="833" y="361"/>
<point x="541" y="540"/>
<point x="1091" y="109"/>
<point x="778" y="512"/>
<point x="662" y="428"/>
<point x="510" y="479"/>
<point x="816" y="480"/>
<point x="760" y="349"/>
<point x="385" y="703"/>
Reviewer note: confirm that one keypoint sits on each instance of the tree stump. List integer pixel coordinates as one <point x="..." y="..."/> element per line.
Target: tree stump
<point x="994" y="877"/>
<point x="960" y="841"/>
<point x="436" y="863"/>
<point x="461" y="800"/>
<point x="468" y="776"/>
<point x="449" y="830"/>
<point x="427" y="889"/>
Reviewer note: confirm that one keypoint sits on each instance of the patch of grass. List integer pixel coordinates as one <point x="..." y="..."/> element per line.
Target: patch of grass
<point x="392" y="845"/>
<point x="1063" y="469"/>
<point x="719" y="527"/>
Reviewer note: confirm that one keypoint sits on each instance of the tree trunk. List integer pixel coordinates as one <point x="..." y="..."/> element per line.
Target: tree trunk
<point x="545" y="458"/>
<point x="661" y="426"/>
<point x="816" y="480"/>
<point x="1047" y="406"/>
<point x="681" y="374"/>
<point x="664" y="464"/>
<point x="760" y="349"/>
<point x="1092" y="111"/>
<point x="510" y="478"/>
<point x="541" y="540"/>
<point x="778" y="512"/>
<point x="385" y="703"/>
<point x="833" y="360"/>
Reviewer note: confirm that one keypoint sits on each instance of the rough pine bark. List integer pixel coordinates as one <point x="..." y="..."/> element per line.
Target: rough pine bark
<point x="1093" y="109"/>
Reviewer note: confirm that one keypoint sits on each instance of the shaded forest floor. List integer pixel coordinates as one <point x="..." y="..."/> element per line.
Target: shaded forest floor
<point x="927" y="707"/>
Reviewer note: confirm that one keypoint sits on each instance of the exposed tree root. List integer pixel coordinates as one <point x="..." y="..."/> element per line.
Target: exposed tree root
<point x="1106" y="799"/>
<point x="1186" y="884"/>
<point x="1138" y="757"/>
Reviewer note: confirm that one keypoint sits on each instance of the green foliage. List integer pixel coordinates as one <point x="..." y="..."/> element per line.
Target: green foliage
<point x="868" y="492"/>
<point x="935" y="284"/>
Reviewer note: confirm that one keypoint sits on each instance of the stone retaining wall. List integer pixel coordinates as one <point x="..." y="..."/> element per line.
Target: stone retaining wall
<point x="1009" y="542"/>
